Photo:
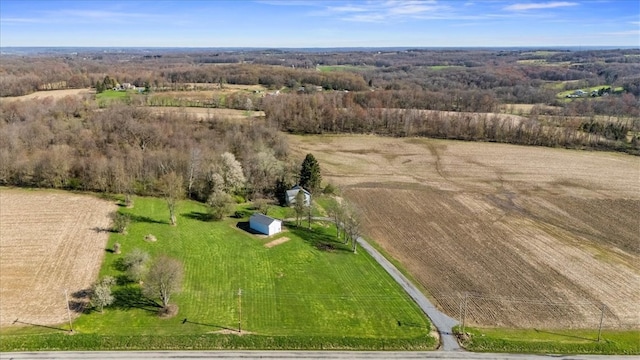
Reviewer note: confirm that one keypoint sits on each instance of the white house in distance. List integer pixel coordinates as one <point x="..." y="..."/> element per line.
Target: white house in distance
<point x="265" y="224"/>
<point x="291" y="195"/>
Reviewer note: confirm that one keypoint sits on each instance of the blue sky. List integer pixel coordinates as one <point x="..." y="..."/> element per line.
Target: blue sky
<point x="314" y="23"/>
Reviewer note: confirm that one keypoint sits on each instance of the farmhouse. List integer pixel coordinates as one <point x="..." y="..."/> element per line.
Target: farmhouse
<point x="291" y="195"/>
<point x="265" y="224"/>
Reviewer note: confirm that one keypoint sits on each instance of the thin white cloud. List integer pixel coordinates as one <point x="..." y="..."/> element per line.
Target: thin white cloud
<point x="20" y="20"/>
<point x="100" y="15"/>
<point x="537" y="6"/>
<point x="624" y="33"/>
<point x="381" y="11"/>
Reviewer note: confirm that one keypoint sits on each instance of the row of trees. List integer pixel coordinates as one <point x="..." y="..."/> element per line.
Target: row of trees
<point x="339" y="113"/>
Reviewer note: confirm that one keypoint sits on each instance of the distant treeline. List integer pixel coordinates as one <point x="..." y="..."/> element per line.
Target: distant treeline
<point x="343" y="113"/>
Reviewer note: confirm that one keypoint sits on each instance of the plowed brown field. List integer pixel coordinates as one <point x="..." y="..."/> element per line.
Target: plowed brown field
<point x="49" y="242"/>
<point x="536" y="237"/>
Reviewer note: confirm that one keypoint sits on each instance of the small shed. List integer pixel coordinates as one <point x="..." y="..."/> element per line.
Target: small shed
<point x="291" y="195"/>
<point x="265" y="224"/>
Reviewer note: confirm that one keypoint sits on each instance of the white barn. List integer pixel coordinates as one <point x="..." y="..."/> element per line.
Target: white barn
<point x="291" y="195"/>
<point x="265" y="224"/>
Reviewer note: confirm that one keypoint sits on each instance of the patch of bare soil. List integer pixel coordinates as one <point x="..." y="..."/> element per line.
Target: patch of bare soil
<point x="49" y="242"/>
<point x="532" y="237"/>
<point x="276" y="242"/>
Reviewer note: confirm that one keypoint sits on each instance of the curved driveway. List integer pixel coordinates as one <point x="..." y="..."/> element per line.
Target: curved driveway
<point x="443" y="323"/>
<point x="440" y="320"/>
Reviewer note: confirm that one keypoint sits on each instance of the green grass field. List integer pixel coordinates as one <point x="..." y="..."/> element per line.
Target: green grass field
<point x="553" y="341"/>
<point x="108" y="96"/>
<point x="308" y="290"/>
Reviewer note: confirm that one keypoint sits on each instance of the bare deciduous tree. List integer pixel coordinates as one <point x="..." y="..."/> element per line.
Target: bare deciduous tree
<point x="299" y="207"/>
<point x="135" y="264"/>
<point x="336" y="211"/>
<point x="220" y="204"/>
<point x="172" y="190"/>
<point x="352" y="224"/>
<point x="262" y="205"/>
<point x="120" y="222"/>
<point x="163" y="279"/>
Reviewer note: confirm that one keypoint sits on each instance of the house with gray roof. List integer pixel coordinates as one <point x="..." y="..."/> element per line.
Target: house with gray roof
<point x="291" y="195"/>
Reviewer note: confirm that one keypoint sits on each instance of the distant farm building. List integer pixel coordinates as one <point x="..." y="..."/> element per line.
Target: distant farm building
<point x="291" y="195"/>
<point x="265" y="224"/>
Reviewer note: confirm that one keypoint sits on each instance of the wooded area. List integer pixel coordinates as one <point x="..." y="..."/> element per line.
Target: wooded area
<point x="122" y="147"/>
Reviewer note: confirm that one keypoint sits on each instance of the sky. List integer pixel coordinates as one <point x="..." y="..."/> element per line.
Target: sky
<point x="320" y="23"/>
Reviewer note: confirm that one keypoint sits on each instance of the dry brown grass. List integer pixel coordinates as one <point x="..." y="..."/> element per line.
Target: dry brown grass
<point x="541" y="236"/>
<point x="55" y="94"/>
<point x="207" y="113"/>
<point x="49" y="241"/>
<point x="276" y="242"/>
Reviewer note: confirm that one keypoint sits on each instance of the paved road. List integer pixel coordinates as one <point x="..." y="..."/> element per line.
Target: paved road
<point x="318" y="355"/>
<point x="440" y="320"/>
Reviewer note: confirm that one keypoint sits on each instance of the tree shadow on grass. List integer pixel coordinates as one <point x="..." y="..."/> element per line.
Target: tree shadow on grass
<point x="244" y="226"/>
<point x="146" y="219"/>
<point x="565" y="335"/>
<point x="17" y="321"/>
<point x="185" y="321"/>
<point x="80" y="301"/>
<point x="130" y="297"/>
<point x="412" y="324"/>
<point x="200" y="216"/>
<point x="320" y="241"/>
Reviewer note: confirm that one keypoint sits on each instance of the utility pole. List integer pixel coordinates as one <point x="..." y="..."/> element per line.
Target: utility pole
<point x="66" y="300"/>
<point x="240" y="310"/>
<point x="464" y="314"/>
<point x="601" y="318"/>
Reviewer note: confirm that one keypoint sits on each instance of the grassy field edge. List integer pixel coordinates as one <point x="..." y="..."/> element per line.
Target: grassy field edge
<point x="537" y="341"/>
<point x="95" y="342"/>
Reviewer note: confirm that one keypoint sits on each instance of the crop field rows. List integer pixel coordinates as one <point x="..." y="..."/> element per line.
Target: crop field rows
<point x="49" y="243"/>
<point x="537" y="237"/>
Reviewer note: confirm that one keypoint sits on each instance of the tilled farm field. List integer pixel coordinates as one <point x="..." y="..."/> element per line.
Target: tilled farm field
<point x="501" y="235"/>
<point x="49" y="242"/>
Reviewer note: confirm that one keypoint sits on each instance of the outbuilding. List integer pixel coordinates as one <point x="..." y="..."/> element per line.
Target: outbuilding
<point x="265" y="224"/>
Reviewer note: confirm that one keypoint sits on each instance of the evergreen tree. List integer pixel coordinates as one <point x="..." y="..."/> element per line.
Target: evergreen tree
<point x="310" y="177"/>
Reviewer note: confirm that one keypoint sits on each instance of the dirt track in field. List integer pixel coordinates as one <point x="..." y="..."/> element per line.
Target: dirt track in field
<point x="49" y="241"/>
<point x="535" y="237"/>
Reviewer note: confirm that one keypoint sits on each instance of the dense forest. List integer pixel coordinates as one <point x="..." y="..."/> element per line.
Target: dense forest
<point x="123" y="147"/>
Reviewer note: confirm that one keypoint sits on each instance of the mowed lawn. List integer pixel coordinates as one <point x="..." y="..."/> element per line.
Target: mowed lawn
<point x="295" y="288"/>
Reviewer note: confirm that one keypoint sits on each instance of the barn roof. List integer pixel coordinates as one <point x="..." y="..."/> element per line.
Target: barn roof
<point x="262" y="219"/>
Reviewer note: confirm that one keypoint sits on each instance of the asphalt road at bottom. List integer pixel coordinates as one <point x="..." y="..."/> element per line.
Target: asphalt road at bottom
<point x="319" y="355"/>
